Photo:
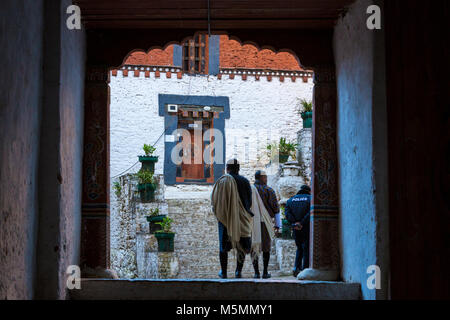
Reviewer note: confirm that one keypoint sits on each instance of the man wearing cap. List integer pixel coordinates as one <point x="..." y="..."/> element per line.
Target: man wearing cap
<point x="267" y="211"/>
<point x="297" y="213"/>
<point x="231" y="200"/>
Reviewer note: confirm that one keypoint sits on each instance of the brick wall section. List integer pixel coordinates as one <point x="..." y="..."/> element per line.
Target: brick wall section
<point x="235" y="55"/>
<point x="155" y="57"/>
<point x="232" y="55"/>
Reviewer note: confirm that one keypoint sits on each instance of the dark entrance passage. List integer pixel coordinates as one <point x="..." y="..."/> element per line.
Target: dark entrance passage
<point x="42" y="145"/>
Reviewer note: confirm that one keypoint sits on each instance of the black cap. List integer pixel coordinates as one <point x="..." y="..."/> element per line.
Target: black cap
<point x="305" y="188"/>
<point x="233" y="164"/>
<point x="260" y="173"/>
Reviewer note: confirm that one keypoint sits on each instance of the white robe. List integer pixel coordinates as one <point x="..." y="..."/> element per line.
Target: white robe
<point x="260" y="215"/>
<point x="229" y="210"/>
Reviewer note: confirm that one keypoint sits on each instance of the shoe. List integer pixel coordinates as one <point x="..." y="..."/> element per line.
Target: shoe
<point x="239" y="266"/>
<point x="257" y="276"/>
<point x="266" y="275"/>
<point x="223" y="257"/>
<point x="256" y="267"/>
<point x="296" y="272"/>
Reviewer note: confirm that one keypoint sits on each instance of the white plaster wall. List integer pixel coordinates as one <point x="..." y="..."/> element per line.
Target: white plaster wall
<point x="267" y="106"/>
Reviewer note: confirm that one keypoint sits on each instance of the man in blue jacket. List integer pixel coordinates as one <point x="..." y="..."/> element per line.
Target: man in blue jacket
<point x="297" y="213"/>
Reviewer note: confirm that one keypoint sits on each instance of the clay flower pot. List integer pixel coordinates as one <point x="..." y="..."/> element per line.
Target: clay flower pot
<point x="148" y="162"/>
<point x="154" y="227"/>
<point x="307" y="119"/>
<point x="165" y="241"/>
<point x="147" y="192"/>
<point x="283" y="158"/>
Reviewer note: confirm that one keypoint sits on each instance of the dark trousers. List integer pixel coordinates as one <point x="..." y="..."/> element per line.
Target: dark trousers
<point x="302" y="255"/>
<point x="266" y="242"/>
<point x="225" y="243"/>
<point x="225" y="246"/>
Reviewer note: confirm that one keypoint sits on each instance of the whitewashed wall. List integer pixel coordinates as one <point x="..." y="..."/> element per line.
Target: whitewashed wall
<point x="267" y="106"/>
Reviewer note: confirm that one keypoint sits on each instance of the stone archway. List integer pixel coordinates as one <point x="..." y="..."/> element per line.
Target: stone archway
<point x="107" y="49"/>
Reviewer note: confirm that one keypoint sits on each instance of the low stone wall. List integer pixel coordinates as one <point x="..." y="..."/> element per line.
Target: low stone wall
<point x="304" y="153"/>
<point x="129" y="226"/>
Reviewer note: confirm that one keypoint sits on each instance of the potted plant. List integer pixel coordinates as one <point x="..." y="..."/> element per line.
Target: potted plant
<point x="284" y="149"/>
<point x="306" y="113"/>
<point x="165" y="236"/>
<point x="117" y="189"/>
<point x="154" y="218"/>
<point x="146" y="185"/>
<point x="148" y="160"/>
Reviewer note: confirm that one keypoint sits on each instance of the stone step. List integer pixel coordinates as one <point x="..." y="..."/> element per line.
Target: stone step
<point x="231" y="289"/>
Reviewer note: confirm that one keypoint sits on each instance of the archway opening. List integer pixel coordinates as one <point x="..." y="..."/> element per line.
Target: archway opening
<point x="243" y="102"/>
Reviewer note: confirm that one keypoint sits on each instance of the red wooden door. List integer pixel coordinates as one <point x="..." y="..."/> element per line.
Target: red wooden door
<point x="194" y="166"/>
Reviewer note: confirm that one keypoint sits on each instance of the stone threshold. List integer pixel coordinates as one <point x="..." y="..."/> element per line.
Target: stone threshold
<point x="214" y="289"/>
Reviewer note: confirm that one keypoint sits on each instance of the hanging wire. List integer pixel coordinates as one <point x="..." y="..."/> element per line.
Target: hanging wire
<point x="209" y="21"/>
<point x="209" y="34"/>
<point x="125" y="170"/>
<point x="138" y="161"/>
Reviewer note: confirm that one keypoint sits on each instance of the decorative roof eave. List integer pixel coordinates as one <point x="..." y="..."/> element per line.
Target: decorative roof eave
<point x="299" y="73"/>
<point x="157" y="70"/>
<point x="230" y="72"/>
<point x="151" y="68"/>
<point x="257" y="73"/>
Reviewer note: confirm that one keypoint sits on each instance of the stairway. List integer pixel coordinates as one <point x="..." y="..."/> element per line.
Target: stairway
<point x="197" y="244"/>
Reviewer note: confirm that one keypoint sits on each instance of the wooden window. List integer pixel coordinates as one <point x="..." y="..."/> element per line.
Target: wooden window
<point x="195" y="55"/>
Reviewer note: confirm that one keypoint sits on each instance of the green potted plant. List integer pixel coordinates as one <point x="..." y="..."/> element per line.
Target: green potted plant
<point x="165" y="236"/>
<point x="284" y="149"/>
<point x="146" y="185"/>
<point x="306" y="113"/>
<point x="117" y="189"/>
<point x="148" y="160"/>
<point x="154" y="218"/>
